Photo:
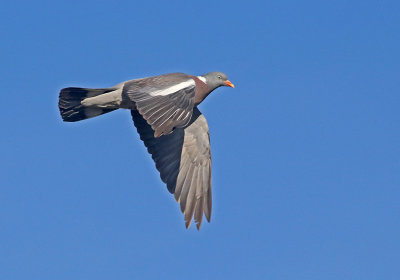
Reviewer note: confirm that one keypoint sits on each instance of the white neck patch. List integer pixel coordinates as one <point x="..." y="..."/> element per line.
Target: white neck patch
<point x="201" y="78"/>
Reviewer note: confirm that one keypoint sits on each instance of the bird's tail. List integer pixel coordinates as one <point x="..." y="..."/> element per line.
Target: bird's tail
<point x="72" y="108"/>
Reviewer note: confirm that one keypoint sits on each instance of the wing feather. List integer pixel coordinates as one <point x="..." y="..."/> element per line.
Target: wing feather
<point x="183" y="159"/>
<point x="185" y="188"/>
<point x="191" y="199"/>
<point x="165" y="102"/>
<point x="198" y="212"/>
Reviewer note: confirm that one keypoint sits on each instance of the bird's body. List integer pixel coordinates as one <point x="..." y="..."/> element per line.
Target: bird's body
<point x="164" y="111"/>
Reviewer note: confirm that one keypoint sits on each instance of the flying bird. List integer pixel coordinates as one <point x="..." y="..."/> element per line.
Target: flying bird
<point x="174" y="131"/>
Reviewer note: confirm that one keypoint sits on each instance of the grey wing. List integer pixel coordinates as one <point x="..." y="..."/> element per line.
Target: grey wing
<point x="165" y="102"/>
<point x="183" y="159"/>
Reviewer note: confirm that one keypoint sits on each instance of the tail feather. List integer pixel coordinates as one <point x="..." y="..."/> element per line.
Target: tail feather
<point x="71" y="108"/>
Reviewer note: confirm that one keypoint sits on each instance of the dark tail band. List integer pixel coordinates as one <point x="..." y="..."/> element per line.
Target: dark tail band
<point x="70" y="106"/>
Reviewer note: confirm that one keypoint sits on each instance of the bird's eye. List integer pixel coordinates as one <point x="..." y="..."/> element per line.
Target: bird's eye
<point x="219" y="77"/>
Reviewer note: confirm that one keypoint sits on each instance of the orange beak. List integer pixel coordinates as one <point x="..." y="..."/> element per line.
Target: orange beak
<point x="229" y="84"/>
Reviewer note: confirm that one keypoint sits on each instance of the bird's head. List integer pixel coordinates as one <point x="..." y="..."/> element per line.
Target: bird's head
<point x="217" y="79"/>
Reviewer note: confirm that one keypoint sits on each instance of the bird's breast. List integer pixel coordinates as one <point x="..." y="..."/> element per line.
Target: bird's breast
<point x="201" y="90"/>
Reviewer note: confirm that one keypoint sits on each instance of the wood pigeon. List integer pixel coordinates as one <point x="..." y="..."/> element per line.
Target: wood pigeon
<point x="174" y="131"/>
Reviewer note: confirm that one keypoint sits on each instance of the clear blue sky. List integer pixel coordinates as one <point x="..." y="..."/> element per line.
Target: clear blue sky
<point x="306" y="148"/>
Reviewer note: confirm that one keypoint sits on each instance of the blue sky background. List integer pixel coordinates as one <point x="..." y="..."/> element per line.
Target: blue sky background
<point x="306" y="180"/>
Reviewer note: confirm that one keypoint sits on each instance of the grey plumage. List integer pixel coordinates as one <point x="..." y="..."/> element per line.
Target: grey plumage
<point x="183" y="159"/>
<point x="175" y="133"/>
<point x="162" y="112"/>
<point x="70" y="106"/>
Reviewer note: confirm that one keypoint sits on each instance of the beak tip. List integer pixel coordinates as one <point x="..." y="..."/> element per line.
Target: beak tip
<point x="229" y="84"/>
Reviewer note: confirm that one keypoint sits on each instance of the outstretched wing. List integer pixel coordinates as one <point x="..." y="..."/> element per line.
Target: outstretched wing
<point x="165" y="102"/>
<point x="183" y="159"/>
